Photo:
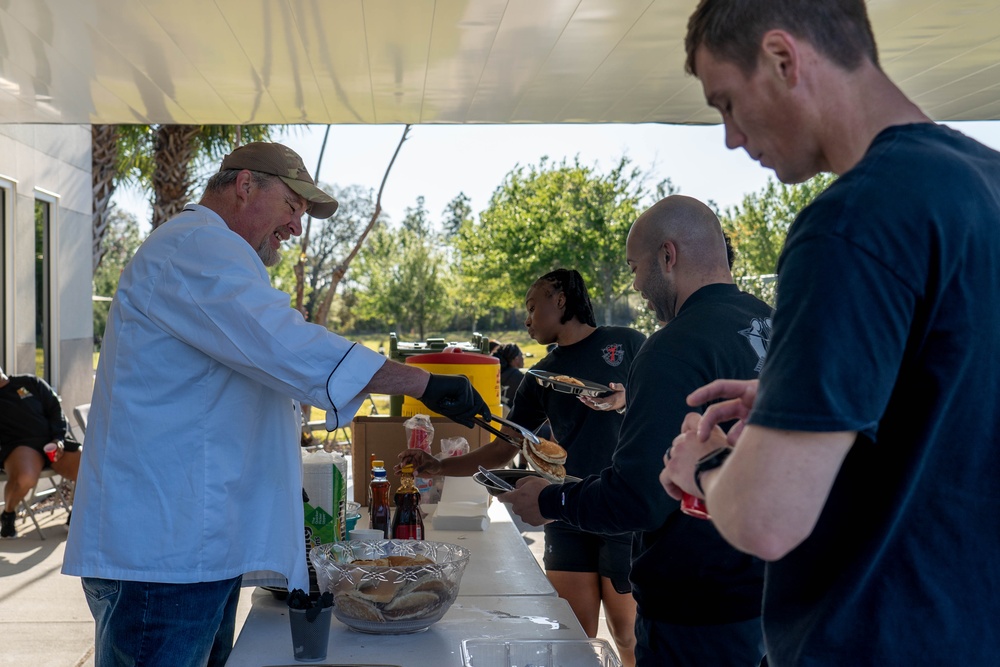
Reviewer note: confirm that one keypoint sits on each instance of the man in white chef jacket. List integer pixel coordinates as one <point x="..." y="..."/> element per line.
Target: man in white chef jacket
<point x="190" y="484"/>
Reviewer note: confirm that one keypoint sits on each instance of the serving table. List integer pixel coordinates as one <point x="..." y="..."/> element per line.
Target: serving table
<point x="503" y="594"/>
<point x="501" y="563"/>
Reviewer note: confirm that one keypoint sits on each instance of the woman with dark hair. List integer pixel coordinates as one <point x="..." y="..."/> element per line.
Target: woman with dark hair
<point x="585" y="568"/>
<point x="511" y="363"/>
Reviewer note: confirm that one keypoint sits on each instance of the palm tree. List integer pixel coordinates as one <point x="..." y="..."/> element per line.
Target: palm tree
<point x="180" y="152"/>
<point x="118" y="157"/>
<point x="174" y="150"/>
<point x="104" y="158"/>
<point x="160" y="158"/>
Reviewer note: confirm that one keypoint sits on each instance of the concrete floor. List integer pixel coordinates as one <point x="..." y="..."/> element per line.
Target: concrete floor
<point x="44" y="618"/>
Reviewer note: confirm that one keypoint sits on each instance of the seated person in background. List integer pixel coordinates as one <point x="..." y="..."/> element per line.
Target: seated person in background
<point x="31" y="417"/>
<point x="511" y="375"/>
<point x="511" y="363"/>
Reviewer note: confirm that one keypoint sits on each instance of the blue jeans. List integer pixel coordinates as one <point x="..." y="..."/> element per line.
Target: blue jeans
<point x="143" y="624"/>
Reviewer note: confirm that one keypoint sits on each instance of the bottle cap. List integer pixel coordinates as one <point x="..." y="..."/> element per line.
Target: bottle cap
<point x="407" y="469"/>
<point x="376" y="463"/>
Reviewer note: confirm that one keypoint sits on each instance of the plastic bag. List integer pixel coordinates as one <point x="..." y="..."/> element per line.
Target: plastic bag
<point x="454" y="446"/>
<point x="419" y="432"/>
<point x="419" y="435"/>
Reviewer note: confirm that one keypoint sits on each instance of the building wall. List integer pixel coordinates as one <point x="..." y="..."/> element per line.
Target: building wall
<point x="52" y="162"/>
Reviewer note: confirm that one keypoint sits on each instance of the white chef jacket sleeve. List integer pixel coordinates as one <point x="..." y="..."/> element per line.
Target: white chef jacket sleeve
<point x="215" y="295"/>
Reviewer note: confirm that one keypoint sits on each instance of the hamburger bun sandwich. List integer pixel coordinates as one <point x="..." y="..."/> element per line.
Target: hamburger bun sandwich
<point x="413" y="591"/>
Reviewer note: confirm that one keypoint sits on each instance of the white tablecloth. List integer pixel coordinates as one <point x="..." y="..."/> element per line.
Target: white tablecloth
<point x="504" y="594"/>
<point x="501" y="563"/>
<point x="266" y="638"/>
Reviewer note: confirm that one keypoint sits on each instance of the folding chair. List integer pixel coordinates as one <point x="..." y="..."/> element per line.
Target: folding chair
<point x="34" y="497"/>
<point x="80" y="413"/>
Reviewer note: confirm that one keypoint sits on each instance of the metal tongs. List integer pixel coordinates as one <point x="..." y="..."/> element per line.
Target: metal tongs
<point x="496" y="481"/>
<point x="524" y="433"/>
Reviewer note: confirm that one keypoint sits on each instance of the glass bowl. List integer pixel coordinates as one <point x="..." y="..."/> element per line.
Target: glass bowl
<point x="399" y="587"/>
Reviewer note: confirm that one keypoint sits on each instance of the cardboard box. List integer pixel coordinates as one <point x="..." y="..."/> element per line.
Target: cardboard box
<point x="385" y="437"/>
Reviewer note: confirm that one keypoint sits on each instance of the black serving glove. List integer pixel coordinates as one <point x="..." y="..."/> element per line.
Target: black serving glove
<point x="454" y="397"/>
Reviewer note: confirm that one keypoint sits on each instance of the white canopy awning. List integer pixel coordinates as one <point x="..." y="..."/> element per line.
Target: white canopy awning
<point x="426" y="61"/>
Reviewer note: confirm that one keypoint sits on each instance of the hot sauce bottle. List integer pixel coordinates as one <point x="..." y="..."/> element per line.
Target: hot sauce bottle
<point x="407" y="523"/>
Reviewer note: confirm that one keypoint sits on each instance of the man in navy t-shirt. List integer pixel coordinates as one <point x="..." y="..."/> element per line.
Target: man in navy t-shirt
<point x="866" y="470"/>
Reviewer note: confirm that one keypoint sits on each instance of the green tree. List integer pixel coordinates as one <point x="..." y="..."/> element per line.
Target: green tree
<point x="549" y="216"/>
<point x="758" y="228"/>
<point x="182" y="152"/>
<point x="456" y="213"/>
<point x="338" y="271"/>
<point x="161" y="159"/>
<point x="123" y="238"/>
<point x="402" y="275"/>
<point x="119" y="156"/>
<point x="330" y="242"/>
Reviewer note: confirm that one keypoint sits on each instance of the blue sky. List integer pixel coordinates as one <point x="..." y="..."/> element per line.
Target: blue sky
<point x="439" y="161"/>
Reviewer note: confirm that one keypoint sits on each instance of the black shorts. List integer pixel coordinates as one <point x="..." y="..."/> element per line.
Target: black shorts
<point x="570" y="550"/>
<point x="69" y="445"/>
<point x="5" y="451"/>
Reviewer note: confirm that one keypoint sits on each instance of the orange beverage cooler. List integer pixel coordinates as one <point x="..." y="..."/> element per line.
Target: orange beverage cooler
<point x="482" y="370"/>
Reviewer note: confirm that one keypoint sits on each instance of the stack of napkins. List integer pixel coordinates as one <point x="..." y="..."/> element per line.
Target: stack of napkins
<point x="463" y="506"/>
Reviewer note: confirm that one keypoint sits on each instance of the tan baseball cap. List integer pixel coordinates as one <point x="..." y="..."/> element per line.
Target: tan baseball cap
<point x="283" y="162"/>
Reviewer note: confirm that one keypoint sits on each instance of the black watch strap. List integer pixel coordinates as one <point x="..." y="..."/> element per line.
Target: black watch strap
<point x="710" y="461"/>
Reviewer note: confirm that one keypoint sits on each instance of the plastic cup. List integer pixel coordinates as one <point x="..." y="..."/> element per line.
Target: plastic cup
<point x="694" y="506"/>
<point x="50" y="451"/>
<point x="366" y="534"/>
<point x="310" y="637"/>
<point x="351" y="521"/>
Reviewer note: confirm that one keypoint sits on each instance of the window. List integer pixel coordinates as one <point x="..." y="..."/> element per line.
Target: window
<point x="5" y="357"/>
<point x="7" y="286"/>
<point x="46" y="287"/>
<point x="43" y="344"/>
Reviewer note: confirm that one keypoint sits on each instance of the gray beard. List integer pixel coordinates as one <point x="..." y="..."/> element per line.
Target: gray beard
<point x="268" y="256"/>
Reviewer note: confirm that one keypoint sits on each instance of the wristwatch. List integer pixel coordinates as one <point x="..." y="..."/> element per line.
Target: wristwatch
<point x="710" y="461"/>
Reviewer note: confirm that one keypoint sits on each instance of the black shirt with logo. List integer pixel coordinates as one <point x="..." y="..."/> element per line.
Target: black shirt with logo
<point x="589" y="436"/>
<point x="683" y="571"/>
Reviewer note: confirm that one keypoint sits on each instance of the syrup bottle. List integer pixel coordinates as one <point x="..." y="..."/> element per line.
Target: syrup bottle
<point x="378" y="499"/>
<point x="407" y="523"/>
